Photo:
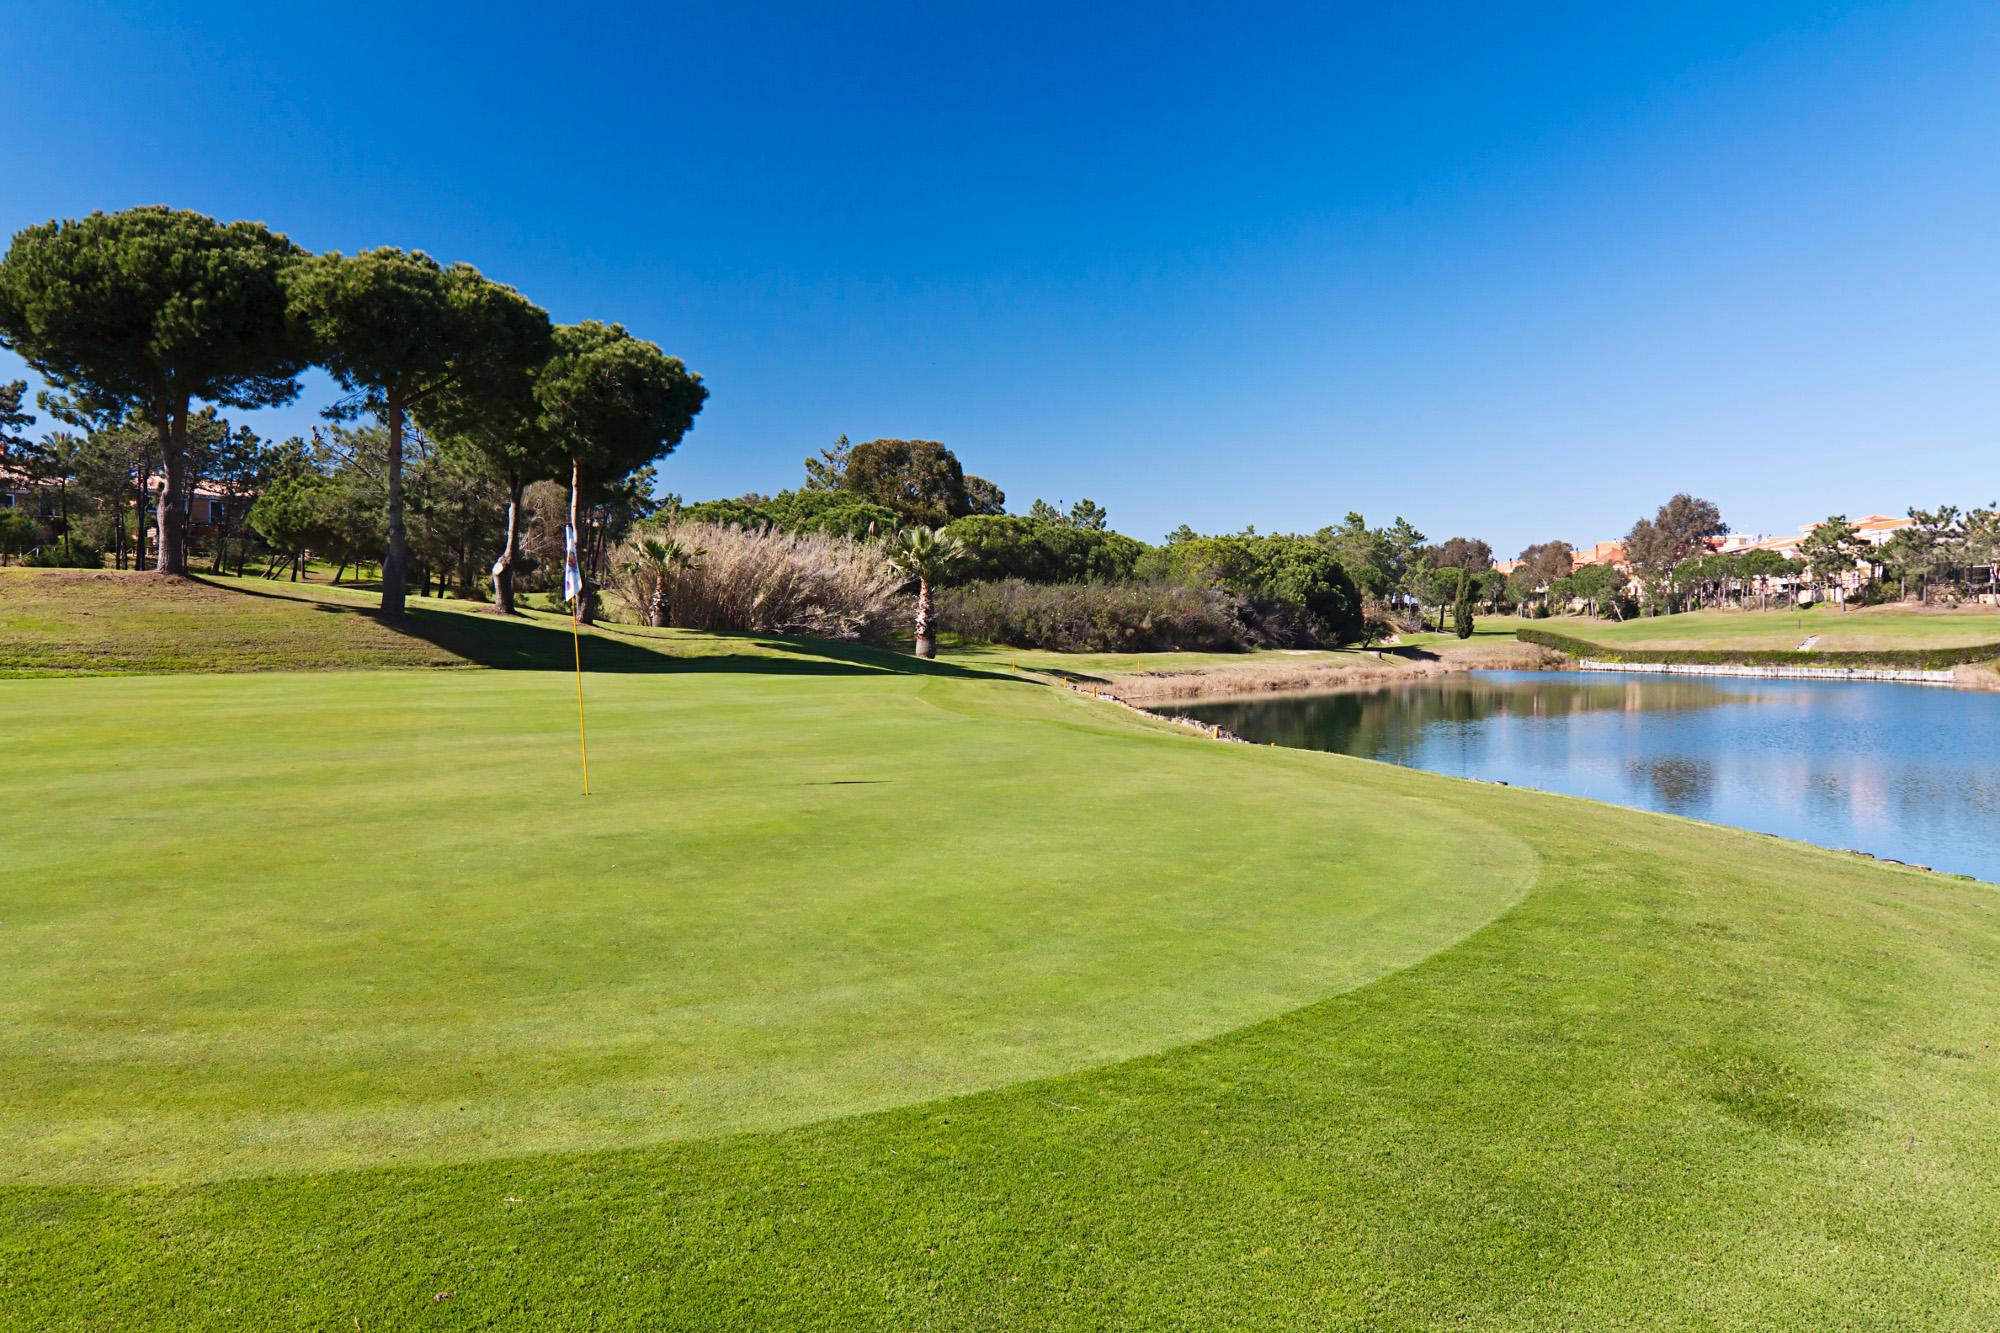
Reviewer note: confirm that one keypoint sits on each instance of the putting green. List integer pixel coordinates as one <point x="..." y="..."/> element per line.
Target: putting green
<point x="284" y="923"/>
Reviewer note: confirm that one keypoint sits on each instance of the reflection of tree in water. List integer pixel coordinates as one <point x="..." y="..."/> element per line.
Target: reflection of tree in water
<point x="1678" y="783"/>
<point x="1390" y="723"/>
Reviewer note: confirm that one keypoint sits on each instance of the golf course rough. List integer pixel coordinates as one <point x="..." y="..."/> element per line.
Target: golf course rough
<point x="860" y="999"/>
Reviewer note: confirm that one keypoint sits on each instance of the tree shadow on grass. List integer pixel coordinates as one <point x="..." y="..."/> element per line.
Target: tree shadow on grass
<point x="534" y="643"/>
<point x="784" y="654"/>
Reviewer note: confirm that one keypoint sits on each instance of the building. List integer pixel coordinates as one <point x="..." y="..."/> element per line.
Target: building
<point x="1875" y="530"/>
<point x="208" y="509"/>
<point x="1601" y="553"/>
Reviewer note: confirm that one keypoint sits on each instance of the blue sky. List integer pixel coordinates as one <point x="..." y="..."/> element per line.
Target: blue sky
<point x="1516" y="273"/>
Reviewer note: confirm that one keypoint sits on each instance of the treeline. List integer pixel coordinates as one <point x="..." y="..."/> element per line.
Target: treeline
<point x="1669" y="564"/>
<point x="1944" y="553"/>
<point x="1059" y="576"/>
<point x="144" y="323"/>
<point x="471" y="432"/>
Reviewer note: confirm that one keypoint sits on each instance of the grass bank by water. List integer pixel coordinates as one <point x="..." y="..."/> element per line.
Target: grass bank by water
<point x="1861" y="629"/>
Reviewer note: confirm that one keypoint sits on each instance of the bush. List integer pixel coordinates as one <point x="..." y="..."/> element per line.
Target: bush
<point x="1922" y="659"/>
<point x="839" y="512"/>
<point x="842" y="513"/>
<point x="80" y="555"/>
<point x="1101" y="617"/>
<point x="19" y="533"/>
<point x="761" y="580"/>
<point x="1009" y="546"/>
<point x="1292" y="579"/>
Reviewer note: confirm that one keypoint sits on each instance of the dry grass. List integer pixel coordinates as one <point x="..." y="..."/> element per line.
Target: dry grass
<point x="1357" y="670"/>
<point x="1142" y="678"/>
<point x="815" y="584"/>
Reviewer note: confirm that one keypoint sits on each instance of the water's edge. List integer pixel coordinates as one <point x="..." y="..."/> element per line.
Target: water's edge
<point x="1906" y="675"/>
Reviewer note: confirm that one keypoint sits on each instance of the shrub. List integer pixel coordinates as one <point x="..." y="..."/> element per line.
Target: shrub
<point x="841" y="512"/>
<point x="80" y="555"/>
<point x="1100" y="617"/>
<point x="19" y="533"/>
<point x="762" y="580"/>
<point x="1009" y="546"/>
<point x="1294" y="579"/>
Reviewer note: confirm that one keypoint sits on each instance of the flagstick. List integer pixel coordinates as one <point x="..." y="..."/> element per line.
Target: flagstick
<point x="573" y="563"/>
<point x="576" y="641"/>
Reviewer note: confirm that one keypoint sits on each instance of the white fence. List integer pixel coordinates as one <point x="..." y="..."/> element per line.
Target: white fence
<point x="1908" y="675"/>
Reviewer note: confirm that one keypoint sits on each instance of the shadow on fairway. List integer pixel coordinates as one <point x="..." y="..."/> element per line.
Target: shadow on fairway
<point x="533" y="642"/>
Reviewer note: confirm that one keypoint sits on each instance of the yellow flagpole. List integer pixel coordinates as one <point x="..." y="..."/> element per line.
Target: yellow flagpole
<point x="576" y="641"/>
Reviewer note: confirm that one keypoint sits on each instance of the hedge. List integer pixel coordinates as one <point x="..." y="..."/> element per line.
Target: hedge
<point x="1922" y="659"/>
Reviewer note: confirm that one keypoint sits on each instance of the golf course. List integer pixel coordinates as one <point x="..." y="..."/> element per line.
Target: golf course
<point x="867" y="992"/>
<point x="1833" y="630"/>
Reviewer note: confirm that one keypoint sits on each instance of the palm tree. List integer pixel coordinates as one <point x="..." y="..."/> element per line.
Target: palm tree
<point x="929" y="557"/>
<point x="655" y="560"/>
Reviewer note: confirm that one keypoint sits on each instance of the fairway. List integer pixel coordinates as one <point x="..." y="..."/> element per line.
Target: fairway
<point x="367" y="917"/>
<point x="1857" y="630"/>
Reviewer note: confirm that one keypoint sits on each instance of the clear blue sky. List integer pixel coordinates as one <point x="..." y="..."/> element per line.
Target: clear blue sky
<point x="1515" y="272"/>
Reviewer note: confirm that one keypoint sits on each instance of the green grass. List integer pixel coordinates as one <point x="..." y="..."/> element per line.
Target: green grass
<point x="1003" y="658"/>
<point x="858" y="997"/>
<point x="1860" y="629"/>
<point x="65" y="623"/>
<point x="1485" y="629"/>
<point x="744" y="926"/>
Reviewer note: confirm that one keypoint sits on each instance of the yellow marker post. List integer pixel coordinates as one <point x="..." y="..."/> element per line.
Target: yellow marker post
<point x="576" y="641"/>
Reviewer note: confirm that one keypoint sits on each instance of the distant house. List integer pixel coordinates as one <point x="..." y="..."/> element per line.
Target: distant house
<point x="1601" y="553"/>
<point x="208" y="509"/>
<point x="17" y="492"/>
<point x="1877" y="529"/>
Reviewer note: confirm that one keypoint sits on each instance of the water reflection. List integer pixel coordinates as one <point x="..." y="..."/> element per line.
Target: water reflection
<point x="1679" y="784"/>
<point x="1900" y="771"/>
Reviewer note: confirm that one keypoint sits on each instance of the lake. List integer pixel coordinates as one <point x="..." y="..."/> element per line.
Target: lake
<point x="1902" y="771"/>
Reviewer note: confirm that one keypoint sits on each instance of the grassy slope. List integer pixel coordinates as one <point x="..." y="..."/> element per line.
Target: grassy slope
<point x="1863" y="628"/>
<point x="1003" y="658"/>
<point x="1693" y="1076"/>
<point x="66" y="623"/>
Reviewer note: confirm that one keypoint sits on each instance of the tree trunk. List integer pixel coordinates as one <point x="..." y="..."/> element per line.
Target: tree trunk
<point x="139" y="519"/>
<point x="172" y="538"/>
<point x="395" y="561"/>
<point x="338" y="571"/>
<point x="656" y="613"/>
<point x="926" y="639"/>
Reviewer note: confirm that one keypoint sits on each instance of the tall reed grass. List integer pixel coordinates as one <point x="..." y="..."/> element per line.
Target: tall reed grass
<point x="816" y="584"/>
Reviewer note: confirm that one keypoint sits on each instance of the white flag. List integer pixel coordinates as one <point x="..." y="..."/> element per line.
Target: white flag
<point x="572" y="572"/>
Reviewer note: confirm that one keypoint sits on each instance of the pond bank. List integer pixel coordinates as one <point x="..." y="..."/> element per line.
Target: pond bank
<point x="1902" y="675"/>
<point x="1391" y="666"/>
